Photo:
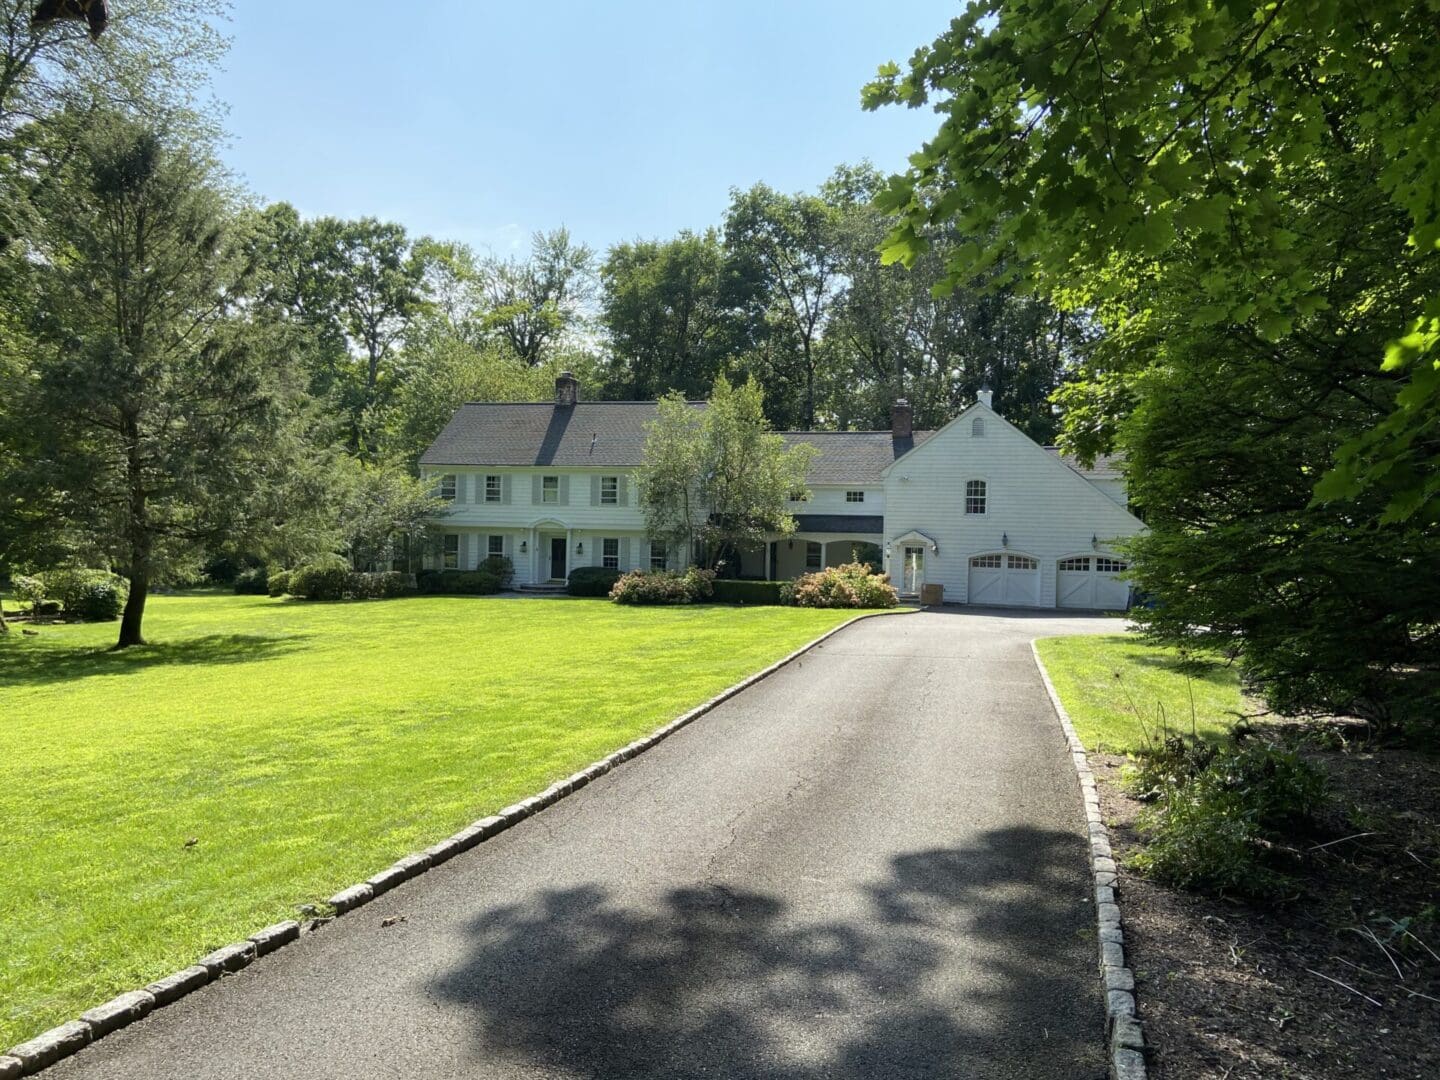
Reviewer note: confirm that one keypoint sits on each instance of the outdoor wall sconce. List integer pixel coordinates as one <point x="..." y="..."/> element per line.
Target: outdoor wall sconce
<point x="580" y="548"/>
<point x="1095" y="541"/>
<point x="1005" y="539"/>
<point x="524" y="547"/>
<point x="790" y="544"/>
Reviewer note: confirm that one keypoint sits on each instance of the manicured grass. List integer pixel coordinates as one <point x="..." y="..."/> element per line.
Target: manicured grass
<point x="303" y="747"/>
<point x="1084" y="670"/>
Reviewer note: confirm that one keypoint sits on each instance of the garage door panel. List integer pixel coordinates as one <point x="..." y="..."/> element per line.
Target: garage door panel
<point x="1004" y="580"/>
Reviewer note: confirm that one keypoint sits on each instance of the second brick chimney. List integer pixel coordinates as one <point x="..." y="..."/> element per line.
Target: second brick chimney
<point x="902" y="420"/>
<point x="567" y="390"/>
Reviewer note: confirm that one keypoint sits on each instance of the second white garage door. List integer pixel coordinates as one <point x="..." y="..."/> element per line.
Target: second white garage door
<point x="1004" y="580"/>
<point x="1092" y="581"/>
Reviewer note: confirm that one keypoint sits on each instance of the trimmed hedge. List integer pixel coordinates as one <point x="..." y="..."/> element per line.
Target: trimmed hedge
<point x="591" y="581"/>
<point x="277" y="582"/>
<point x="458" y="582"/>
<point x="501" y="567"/>
<point x="748" y="592"/>
<point x="327" y="578"/>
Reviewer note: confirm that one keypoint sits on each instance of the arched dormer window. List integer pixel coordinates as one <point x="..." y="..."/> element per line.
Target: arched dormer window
<point x="977" y="428"/>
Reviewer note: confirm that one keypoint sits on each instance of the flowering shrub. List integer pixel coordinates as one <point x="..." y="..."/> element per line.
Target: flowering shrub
<point x="664" y="587"/>
<point x="848" y="586"/>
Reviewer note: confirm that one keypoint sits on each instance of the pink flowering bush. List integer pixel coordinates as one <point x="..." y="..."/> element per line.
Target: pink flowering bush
<point x="850" y="586"/>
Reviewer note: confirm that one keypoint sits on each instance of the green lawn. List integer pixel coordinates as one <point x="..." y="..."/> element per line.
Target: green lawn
<point x="1084" y="670"/>
<point x="305" y="747"/>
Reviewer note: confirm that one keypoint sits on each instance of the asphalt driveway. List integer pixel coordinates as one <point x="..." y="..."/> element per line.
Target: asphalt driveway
<point x="871" y="866"/>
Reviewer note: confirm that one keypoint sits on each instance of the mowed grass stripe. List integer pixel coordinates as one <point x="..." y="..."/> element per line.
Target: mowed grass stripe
<point x="303" y="747"/>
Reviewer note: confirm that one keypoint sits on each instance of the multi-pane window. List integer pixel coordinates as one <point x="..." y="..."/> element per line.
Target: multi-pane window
<point x="609" y="491"/>
<point x="854" y="496"/>
<point x="1111" y="566"/>
<point x="987" y="562"/>
<point x="446" y="488"/>
<point x="658" y="560"/>
<point x="977" y="427"/>
<point x="495" y="546"/>
<point x="1080" y="564"/>
<point x="974" y="496"/>
<point x="1022" y="562"/>
<point x="814" y="555"/>
<point x="550" y="489"/>
<point x="493" y="489"/>
<point x="450" y="554"/>
<point x="800" y="495"/>
<point x="610" y="553"/>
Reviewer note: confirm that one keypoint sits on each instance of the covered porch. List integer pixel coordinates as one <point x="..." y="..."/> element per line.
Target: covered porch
<point x="821" y="540"/>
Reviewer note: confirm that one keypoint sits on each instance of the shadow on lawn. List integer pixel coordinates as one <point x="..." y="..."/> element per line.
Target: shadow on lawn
<point x="968" y="963"/>
<point x="25" y="663"/>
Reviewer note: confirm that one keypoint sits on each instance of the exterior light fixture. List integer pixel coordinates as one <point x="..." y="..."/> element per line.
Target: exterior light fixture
<point x="524" y="547"/>
<point x="580" y="548"/>
<point x="1095" y="541"/>
<point x="1005" y="539"/>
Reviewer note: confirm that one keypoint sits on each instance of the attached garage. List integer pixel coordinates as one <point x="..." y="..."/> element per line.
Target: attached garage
<point x="1004" y="580"/>
<point x="1092" y="581"/>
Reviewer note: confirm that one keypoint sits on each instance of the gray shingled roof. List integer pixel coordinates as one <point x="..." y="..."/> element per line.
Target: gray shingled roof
<point x="611" y="434"/>
<point x="840" y="523"/>
<point x="1106" y="467"/>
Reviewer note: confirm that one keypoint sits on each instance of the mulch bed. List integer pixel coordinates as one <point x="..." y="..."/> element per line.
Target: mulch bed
<point x="1228" y="990"/>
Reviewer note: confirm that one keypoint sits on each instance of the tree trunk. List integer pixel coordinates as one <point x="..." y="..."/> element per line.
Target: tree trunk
<point x="4" y="626"/>
<point x="134" y="612"/>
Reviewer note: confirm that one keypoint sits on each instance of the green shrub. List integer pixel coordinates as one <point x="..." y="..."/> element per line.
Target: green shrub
<point x="277" y="582"/>
<point x="458" y="582"/>
<point x="1224" y="828"/>
<point x="28" y="590"/>
<point x="664" y="587"/>
<point x="89" y="595"/>
<point x="848" y="586"/>
<point x="382" y="586"/>
<point x="325" y="578"/>
<point x="748" y="592"/>
<point x="1165" y="765"/>
<point x="501" y="567"/>
<point x="591" y="581"/>
<point x="252" y="581"/>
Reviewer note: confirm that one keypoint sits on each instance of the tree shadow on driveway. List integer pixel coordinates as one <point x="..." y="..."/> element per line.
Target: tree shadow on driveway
<point x="962" y="963"/>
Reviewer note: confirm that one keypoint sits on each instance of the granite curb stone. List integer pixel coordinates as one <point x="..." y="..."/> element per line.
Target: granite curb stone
<point x="1124" y="1035"/>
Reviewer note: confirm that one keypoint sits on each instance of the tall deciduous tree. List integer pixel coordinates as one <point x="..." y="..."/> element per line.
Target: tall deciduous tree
<point x="717" y="479"/>
<point x="154" y="405"/>
<point x="535" y="302"/>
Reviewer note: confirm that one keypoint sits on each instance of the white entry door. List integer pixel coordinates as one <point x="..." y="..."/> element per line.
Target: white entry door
<point x="1004" y="580"/>
<point x="1092" y="581"/>
<point x="913" y="575"/>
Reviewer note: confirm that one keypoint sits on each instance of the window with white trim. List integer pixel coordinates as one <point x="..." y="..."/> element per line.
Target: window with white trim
<point x="1080" y="564"/>
<point x="658" y="558"/>
<point x="550" y="489"/>
<point x="450" y="552"/>
<point x="814" y="555"/>
<point x="1022" y="562"/>
<point x="609" y="491"/>
<point x="446" y="488"/>
<point x="495" y="546"/>
<point x="974" y="496"/>
<point x="1111" y="566"/>
<point x="610" y="553"/>
<point x="854" y="496"/>
<point x="986" y="562"/>
<point x="494" y="489"/>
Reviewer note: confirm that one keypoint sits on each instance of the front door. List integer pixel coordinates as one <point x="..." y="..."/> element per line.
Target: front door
<point x="914" y="571"/>
<point x="557" y="558"/>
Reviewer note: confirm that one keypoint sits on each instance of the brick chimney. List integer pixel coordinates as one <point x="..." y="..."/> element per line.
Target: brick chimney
<point x="567" y="390"/>
<point x="902" y="420"/>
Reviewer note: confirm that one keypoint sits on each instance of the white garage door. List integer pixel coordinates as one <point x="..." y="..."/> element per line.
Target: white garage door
<point x="1004" y="580"/>
<point x="1092" y="581"/>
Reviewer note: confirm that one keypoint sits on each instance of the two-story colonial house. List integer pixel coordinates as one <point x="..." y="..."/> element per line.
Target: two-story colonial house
<point x="976" y="506"/>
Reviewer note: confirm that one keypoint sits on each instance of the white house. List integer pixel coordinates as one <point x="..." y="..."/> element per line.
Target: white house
<point x="976" y="506"/>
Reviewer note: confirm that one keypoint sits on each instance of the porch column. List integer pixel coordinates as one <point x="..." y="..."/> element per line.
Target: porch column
<point x="569" y="551"/>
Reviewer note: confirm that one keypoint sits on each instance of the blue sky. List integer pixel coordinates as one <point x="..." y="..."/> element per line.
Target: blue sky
<point x="482" y="121"/>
